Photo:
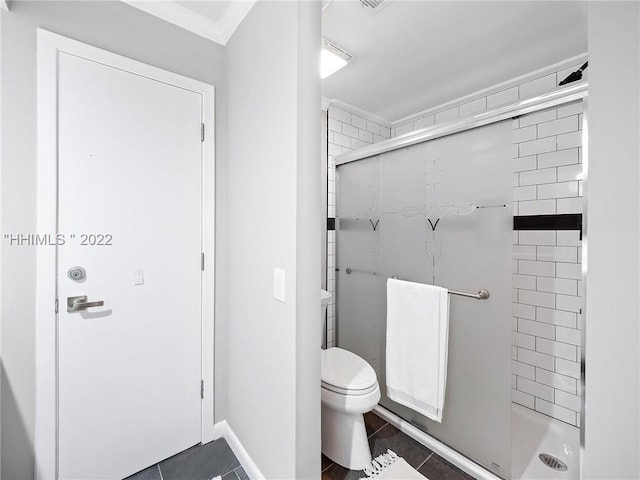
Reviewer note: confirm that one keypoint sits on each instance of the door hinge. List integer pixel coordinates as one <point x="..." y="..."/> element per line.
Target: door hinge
<point x="202" y="261"/>
<point x="202" y="389"/>
<point x="56" y="305"/>
<point x="202" y="133"/>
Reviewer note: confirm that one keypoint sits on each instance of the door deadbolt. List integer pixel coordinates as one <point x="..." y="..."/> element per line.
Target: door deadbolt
<point x="77" y="273"/>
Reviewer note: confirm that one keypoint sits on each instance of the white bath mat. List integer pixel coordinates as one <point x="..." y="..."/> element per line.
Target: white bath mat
<point x="391" y="467"/>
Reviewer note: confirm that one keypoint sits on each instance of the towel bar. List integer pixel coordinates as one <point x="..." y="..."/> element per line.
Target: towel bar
<point x="481" y="295"/>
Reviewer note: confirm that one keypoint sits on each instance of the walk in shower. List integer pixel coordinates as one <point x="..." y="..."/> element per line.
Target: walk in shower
<point x="437" y="207"/>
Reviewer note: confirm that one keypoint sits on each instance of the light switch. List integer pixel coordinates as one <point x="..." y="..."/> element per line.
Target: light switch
<point x="279" y="284"/>
<point x="138" y="276"/>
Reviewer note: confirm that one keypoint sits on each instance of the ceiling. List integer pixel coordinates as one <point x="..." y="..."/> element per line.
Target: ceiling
<point x="212" y="10"/>
<point x="415" y="55"/>
<point x="212" y="19"/>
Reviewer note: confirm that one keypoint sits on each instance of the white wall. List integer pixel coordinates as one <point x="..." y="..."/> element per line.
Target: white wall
<point x="18" y="273"/>
<point x="274" y="208"/>
<point x="612" y="442"/>
<point x="119" y="28"/>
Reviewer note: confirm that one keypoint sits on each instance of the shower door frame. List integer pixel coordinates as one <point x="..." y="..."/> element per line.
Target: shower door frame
<point x="577" y="91"/>
<point x="522" y="107"/>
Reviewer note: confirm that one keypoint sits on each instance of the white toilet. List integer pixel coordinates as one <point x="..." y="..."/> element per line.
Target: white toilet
<point x="349" y="389"/>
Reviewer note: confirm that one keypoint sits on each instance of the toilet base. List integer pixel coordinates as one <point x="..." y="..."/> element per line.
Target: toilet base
<point x="344" y="439"/>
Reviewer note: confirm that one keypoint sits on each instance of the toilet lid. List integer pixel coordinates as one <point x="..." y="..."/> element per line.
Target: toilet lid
<point x="346" y="371"/>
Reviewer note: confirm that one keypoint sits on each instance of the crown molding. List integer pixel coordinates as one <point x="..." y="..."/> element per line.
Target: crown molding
<point x="219" y="32"/>
<point x="233" y="17"/>
<point x="357" y="111"/>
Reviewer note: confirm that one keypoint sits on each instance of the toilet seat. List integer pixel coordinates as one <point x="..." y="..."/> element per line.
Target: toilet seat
<point x="343" y="391"/>
<point x="346" y="373"/>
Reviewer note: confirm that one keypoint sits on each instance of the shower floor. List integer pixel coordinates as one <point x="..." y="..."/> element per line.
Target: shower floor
<point x="533" y="434"/>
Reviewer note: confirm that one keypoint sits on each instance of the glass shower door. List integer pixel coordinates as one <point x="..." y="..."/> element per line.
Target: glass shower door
<point x="438" y="212"/>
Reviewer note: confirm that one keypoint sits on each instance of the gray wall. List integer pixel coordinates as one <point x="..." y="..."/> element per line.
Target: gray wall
<point x="121" y="29"/>
<point x="274" y="207"/>
<point x="1" y="368"/>
<point x="308" y="244"/>
<point x="612" y="422"/>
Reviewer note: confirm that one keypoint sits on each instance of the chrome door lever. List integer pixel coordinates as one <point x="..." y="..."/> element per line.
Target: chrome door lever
<point x="75" y="304"/>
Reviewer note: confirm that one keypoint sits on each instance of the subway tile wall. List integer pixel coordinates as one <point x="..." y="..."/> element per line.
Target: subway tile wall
<point x="547" y="273"/>
<point x="346" y="131"/>
<point x="543" y="84"/>
<point x="547" y="270"/>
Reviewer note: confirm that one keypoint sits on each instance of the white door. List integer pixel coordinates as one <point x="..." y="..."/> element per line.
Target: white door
<point x="129" y="205"/>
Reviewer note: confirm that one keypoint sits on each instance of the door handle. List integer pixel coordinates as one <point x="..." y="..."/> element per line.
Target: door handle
<point x="75" y="304"/>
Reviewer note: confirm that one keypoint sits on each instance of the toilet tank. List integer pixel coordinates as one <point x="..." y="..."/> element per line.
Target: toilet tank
<point x="325" y="298"/>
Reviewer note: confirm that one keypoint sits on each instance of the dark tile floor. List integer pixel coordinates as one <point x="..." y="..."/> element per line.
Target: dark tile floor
<point x="383" y="436"/>
<point x="204" y="462"/>
<point x="201" y="462"/>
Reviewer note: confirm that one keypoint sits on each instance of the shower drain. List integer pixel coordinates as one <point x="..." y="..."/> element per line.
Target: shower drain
<point x="553" y="462"/>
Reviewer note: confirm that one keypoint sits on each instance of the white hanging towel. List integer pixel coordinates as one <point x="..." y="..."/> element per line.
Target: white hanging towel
<point x="417" y="339"/>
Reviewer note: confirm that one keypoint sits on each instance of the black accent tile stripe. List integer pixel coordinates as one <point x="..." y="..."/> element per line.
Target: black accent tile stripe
<point x="570" y="221"/>
<point x="331" y="223"/>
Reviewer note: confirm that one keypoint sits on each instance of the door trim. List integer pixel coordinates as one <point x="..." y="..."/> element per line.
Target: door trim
<point x="46" y="419"/>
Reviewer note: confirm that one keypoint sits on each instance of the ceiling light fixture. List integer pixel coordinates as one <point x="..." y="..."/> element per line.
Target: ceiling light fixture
<point x="332" y="58"/>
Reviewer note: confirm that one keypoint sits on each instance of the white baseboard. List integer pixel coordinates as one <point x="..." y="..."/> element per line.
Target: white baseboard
<point x="219" y="429"/>
<point x="449" y="454"/>
<point x="223" y="430"/>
